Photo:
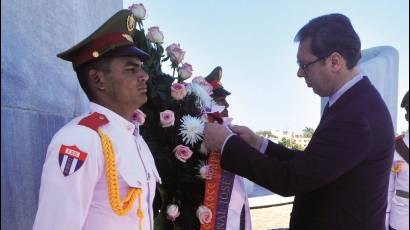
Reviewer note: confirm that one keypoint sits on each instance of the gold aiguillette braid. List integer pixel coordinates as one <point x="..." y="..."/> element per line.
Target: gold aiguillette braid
<point x="121" y="208"/>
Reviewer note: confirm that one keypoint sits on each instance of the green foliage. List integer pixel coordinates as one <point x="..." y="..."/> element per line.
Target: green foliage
<point x="308" y="132"/>
<point x="290" y="143"/>
<point x="266" y="133"/>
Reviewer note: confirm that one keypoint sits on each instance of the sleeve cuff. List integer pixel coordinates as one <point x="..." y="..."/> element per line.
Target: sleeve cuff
<point x="226" y="139"/>
<point x="264" y="146"/>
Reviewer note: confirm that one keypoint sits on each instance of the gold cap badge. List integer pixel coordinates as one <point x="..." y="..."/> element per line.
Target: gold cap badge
<point x="96" y="54"/>
<point x="130" y="23"/>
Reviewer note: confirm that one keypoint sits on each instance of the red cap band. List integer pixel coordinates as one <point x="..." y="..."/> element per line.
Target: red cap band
<point x="93" y="49"/>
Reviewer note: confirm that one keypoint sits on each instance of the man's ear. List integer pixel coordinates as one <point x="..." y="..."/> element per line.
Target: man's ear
<point x="337" y="61"/>
<point x="97" y="79"/>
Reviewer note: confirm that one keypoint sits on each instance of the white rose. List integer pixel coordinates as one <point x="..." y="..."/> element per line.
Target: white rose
<point x="206" y="172"/>
<point x="204" y="214"/>
<point x="185" y="71"/>
<point x="172" y="212"/>
<point x="155" y="35"/>
<point x="138" y="10"/>
<point x="175" y="53"/>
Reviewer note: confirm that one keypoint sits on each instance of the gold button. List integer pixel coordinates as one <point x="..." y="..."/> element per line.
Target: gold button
<point x="96" y="54"/>
<point x="101" y="117"/>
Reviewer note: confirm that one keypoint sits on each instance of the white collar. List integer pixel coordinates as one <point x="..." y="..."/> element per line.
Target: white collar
<point x="113" y="117"/>
<point x="334" y="97"/>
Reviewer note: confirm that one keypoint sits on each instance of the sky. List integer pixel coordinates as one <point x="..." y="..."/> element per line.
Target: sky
<point x="253" y="43"/>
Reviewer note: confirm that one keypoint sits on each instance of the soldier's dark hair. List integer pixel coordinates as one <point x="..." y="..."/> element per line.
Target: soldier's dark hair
<point x="332" y="33"/>
<point x="405" y="104"/>
<point x="101" y="64"/>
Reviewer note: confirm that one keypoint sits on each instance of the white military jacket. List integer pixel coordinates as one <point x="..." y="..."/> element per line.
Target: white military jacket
<point x="239" y="200"/>
<point x="398" y="206"/>
<point x="73" y="192"/>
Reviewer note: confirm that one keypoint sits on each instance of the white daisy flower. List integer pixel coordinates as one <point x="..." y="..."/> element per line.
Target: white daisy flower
<point x="192" y="129"/>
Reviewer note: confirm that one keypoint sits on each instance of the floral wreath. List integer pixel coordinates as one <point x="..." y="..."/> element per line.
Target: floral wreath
<point x="172" y="123"/>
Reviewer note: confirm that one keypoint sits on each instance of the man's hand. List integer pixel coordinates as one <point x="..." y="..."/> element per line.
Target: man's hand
<point x="248" y="136"/>
<point x="215" y="135"/>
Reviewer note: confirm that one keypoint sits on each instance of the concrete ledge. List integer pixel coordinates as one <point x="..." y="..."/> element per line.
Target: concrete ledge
<point x="269" y="201"/>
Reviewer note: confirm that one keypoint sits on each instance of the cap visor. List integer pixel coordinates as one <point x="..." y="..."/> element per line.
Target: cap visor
<point x="128" y="51"/>
<point x="220" y="92"/>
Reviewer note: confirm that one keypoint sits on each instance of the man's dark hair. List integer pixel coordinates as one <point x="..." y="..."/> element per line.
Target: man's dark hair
<point x="101" y="64"/>
<point x="332" y="33"/>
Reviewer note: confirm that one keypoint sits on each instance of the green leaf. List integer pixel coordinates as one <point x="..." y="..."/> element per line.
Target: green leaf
<point x="161" y="223"/>
<point x="160" y="50"/>
<point x="140" y="40"/>
<point x="165" y="59"/>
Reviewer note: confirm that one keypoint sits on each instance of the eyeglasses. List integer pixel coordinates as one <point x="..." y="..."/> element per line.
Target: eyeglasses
<point x="139" y="65"/>
<point x="305" y="66"/>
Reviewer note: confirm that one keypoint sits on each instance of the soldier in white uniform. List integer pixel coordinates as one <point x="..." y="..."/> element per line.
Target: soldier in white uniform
<point x="238" y="216"/>
<point x="397" y="216"/>
<point x="98" y="172"/>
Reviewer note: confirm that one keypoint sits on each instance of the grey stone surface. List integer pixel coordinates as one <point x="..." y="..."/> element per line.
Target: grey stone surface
<point x="25" y="137"/>
<point x="255" y="190"/>
<point x="39" y="92"/>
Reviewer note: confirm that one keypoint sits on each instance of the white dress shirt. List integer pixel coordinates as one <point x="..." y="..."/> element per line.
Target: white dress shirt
<point x="334" y="97"/>
<point x="80" y="200"/>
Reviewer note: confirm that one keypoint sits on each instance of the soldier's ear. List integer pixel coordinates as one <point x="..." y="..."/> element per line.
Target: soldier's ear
<point x="96" y="79"/>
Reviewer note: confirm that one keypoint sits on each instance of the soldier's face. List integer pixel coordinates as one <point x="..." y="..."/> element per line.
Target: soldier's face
<point x="126" y="82"/>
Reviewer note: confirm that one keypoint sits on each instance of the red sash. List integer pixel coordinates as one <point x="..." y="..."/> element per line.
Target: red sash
<point x="212" y="189"/>
<point x="212" y="185"/>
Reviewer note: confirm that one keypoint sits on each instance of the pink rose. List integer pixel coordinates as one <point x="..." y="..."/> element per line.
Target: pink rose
<point x="204" y="214"/>
<point x="167" y="118"/>
<point x="138" y="117"/>
<point x="155" y="35"/>
<point x="203" y="83"/>
<point x="138" y="10"/>
<point x="172" y="212"/>
<point x="185" y="71"/>
<point x="206" y="172"/>
<point x="175" y="53"/>
<point x="178" y="91"/>
<point x="182" y="153"/>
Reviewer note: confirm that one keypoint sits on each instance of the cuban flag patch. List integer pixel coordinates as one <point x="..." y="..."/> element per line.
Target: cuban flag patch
<point x="71" y="159"/>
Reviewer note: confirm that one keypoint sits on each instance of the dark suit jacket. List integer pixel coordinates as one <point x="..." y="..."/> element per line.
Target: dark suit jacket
<point x="340" y="181"/>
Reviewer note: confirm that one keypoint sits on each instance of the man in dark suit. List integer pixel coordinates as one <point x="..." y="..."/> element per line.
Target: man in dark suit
<point x="340" y="180"/>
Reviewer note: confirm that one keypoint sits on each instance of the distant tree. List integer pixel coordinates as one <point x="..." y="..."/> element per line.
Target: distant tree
<point x="290" y="143"/>
<point x="308" y="132"/>
<point x="265" y="133"/>
<point x="285" y="142"/>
